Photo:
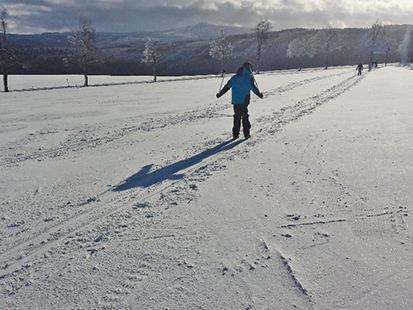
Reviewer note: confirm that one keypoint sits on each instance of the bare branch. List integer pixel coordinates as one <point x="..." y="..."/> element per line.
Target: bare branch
<point x="261" y="30"/>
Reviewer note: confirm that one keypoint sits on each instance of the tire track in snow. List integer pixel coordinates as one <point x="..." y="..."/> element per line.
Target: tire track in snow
<point x="104" y="205"/>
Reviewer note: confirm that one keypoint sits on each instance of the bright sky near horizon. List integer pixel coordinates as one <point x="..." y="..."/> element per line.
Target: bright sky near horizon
<point x="37" y="16"/>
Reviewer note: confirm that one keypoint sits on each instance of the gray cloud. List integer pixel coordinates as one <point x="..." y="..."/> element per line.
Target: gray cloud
<point x="35" y="16"/>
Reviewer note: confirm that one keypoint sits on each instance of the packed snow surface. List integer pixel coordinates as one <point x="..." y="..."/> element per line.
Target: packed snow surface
<point x="131" y="195"/>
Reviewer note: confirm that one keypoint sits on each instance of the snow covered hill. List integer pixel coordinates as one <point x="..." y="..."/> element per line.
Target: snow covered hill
<point x="131" y="195"/>
<point x="186" y="50"/>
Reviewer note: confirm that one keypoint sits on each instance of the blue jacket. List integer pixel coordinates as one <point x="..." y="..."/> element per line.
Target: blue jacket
<point x="241" y="84"/>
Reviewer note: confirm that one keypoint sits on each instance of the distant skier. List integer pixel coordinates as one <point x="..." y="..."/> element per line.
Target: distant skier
<point x="359" y="69"/>
<point x="241" y="83"/>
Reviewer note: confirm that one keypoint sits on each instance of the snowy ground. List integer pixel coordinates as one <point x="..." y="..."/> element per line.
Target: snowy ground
<point x="133" y="196"/>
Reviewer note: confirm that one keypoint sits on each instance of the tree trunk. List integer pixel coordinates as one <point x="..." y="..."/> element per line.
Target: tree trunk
<point x="84" y="67"/>
<point x="4" y="66"/>
<point x="5" y="82"/>
<point x="5" y="78"/>
<point x="258" y="57"/>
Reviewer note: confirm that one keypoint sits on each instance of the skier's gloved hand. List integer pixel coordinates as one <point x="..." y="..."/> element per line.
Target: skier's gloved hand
<point x="218" y="95"/>
<point x="261" y="95"/>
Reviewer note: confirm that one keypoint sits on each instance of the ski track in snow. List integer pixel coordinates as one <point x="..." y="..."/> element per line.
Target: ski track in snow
<point x="304" y="107"/>
<point x="107" y="212"/>
<point x="270" y="125"/>
<point x="85" y="141"/>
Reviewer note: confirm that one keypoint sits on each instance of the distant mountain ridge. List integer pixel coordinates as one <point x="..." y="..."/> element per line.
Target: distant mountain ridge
<point x="199" y="32"/>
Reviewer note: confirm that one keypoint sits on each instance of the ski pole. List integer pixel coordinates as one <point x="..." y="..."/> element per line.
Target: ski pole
<point x="256" y="85"/>
<point x="222" y="81"/>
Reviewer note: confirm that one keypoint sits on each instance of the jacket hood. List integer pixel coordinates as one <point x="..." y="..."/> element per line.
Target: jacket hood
<point x="246" y="72"/>
<point x="248" y="65"/>
<point x="243" y="71"/>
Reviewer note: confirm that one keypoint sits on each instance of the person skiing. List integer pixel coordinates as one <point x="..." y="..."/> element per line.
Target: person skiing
<point x="241" y="83"/>
<point x="359" y="69"/>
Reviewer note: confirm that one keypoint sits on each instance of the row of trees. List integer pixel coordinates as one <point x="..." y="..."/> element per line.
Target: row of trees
<point x="83" y="54"/>
<point x="221" y="49"/>
<point x="324" y="41"/>
<point x="295" y="44"/>
<point x="86" y="53"/>
<point x="327" y="41"/>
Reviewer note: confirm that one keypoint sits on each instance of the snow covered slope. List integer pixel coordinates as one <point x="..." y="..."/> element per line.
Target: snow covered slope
<point x="133" y="196"/>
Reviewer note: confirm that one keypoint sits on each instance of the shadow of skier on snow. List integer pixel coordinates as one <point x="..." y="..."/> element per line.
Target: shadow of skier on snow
<point x="144" y="178"/>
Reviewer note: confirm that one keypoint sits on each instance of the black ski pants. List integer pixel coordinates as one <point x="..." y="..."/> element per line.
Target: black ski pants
<point x="241" y="115"/>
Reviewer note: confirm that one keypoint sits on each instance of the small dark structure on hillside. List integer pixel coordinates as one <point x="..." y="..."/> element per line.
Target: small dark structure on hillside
<point x="379" y="49"/>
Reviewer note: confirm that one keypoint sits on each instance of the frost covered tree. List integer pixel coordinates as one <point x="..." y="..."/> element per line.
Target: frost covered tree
<point x="376" y="31"/>
<point x="299" y="48"/>
<point x="221" y="49"/>
<point x="296" y="48"/>
<point x="152" y="54"/>
<point x="327" y="41"/>
<point x="261" y="31"/>
<point x="85" y="51"/>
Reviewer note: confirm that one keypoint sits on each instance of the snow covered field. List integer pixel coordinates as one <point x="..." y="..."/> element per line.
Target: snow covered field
<point x="133" y="196"/>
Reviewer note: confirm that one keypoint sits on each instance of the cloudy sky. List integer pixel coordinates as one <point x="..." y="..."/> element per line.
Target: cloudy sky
<point x="37" y="16"/>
